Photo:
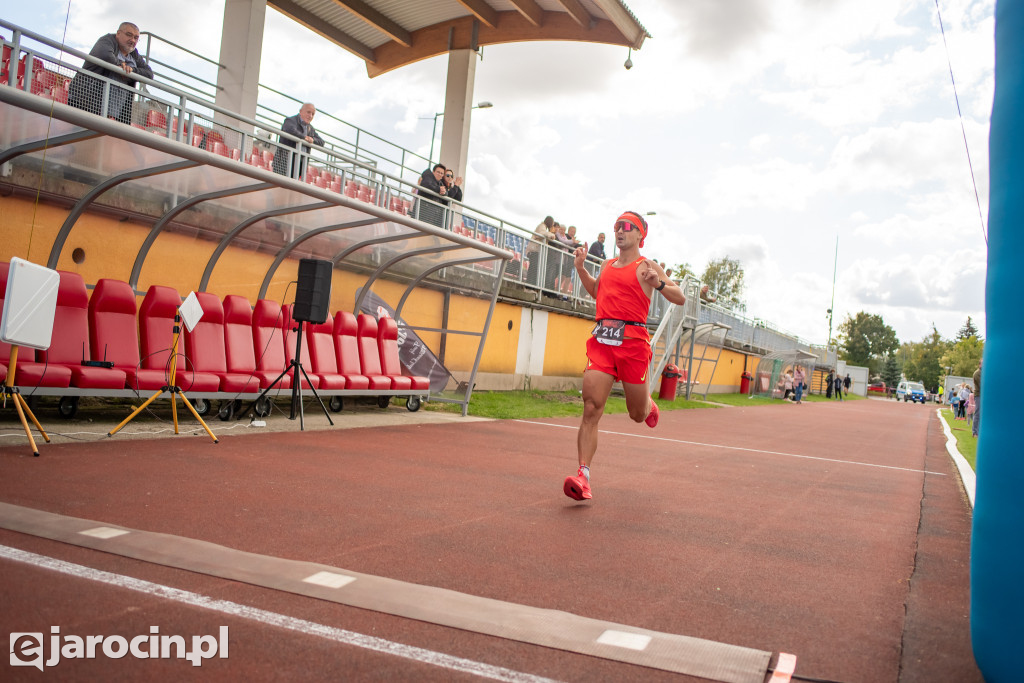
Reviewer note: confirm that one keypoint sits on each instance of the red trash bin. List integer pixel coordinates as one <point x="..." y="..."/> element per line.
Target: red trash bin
<point x="669" y="382"/>
<point x="745" y="382"/>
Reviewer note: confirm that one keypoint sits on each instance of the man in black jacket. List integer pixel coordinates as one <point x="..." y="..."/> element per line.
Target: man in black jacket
<point x="301" y="126"/>
<point x="86" y="91"/>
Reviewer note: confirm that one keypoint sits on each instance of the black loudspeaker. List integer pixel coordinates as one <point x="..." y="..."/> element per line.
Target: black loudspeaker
<point x="313" y="293"/>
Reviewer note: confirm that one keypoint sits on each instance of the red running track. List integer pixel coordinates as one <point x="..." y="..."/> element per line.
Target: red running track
<point x="836" y="532"/>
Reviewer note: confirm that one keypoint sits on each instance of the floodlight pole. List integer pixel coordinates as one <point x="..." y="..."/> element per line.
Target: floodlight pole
<point x="832" y="306"/>
<point x="433" y="133"/>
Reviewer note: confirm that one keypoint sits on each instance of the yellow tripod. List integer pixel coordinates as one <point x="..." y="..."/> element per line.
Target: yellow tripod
<point x="173" y="389"/>
<point x="20" y="404"/>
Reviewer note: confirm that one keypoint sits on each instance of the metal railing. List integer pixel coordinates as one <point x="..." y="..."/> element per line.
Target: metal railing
<point x="188" y="115"/>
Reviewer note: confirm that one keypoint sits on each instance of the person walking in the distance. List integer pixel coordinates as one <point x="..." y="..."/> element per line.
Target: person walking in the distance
<point x="301" y="126"/>
<point x="977" y="401"/>
<point x="619" y="348"/>
<point x="86" y="91"/>
<point x="798" y="379"/>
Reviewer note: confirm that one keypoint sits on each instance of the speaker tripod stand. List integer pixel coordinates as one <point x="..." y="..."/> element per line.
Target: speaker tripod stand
<point x="172" y="388"/>
<point x="21" y="405"/>
<point x="295" y="367"/>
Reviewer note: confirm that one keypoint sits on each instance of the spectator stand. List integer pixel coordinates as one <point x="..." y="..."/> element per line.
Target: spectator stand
<point x="246" y="205"/>
<point x="366" y="168"/>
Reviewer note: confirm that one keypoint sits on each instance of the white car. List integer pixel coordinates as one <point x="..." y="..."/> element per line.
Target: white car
<point x="911" y="391"/>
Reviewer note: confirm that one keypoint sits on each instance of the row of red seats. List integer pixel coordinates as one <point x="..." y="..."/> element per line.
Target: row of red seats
<point x="44" y="81"/>
<point x="156" y="122"/>
<point x="234" y="350"/>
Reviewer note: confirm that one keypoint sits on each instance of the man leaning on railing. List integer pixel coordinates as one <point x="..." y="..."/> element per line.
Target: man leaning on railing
<point x="86" y="92"/>
<point x="301" y="126"/>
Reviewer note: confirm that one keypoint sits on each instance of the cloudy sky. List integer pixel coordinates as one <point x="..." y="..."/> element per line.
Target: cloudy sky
<point x="764" y="130"/>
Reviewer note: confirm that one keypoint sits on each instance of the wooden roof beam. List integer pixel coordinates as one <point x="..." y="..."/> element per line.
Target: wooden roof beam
<point x="530" y="10"/>
<point x="317" y="25"/>
<point x="482" y="11"/>
<point x="578" y="12"/>
<point x="378" y="21"/>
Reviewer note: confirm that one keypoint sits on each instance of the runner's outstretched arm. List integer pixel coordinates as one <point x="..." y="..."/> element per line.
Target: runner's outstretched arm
<point x="653" y="276"/>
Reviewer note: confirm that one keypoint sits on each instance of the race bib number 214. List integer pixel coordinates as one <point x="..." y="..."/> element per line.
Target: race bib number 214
<point x="610" y="332"/>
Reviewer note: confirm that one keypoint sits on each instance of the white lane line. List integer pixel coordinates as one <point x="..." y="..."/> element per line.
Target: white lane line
<point x="233" y="609"/>
<point x="748" y="450"/>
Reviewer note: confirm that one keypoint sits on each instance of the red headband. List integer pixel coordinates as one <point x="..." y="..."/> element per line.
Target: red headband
<point x="637" y="220"/>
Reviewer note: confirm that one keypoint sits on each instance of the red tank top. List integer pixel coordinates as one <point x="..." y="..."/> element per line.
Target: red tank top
<point x="620" y="297"/>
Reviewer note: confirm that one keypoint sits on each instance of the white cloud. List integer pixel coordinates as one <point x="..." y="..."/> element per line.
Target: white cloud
<point x="759" y="128"/>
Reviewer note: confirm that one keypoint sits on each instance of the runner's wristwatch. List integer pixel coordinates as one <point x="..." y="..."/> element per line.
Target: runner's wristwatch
<point x="661" y="286"/>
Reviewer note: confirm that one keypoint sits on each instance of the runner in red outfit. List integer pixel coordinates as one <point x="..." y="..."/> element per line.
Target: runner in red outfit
<point x="620" y="347"/>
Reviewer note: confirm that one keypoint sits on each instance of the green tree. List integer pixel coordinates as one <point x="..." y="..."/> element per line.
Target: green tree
<point x="891" y="371"/>
<point x="680" y="271"/>
<point x="968" y="330"/>
<point x="922" y="360"/>
<point x="865" y="337"/>
<point x="963" y="356"/>
<point x="725" y="276"/>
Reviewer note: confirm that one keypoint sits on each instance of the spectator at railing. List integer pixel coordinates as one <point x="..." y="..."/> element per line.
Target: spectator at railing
<point x="433" y="189"/>
<point x="86" y="92"/>
<point x="301" y="126"/>
<point x="560" y="263"/>
<point x="537" y="240"/>
<point x="452" y="185"/>
<point x="597" y="248"/>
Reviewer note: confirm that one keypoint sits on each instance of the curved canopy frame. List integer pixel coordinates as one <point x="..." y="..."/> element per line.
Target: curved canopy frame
<point x="161" y="179"/>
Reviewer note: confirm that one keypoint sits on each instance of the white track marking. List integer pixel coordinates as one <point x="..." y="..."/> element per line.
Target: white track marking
<point x="273" y="619"/>
<point x="747" y="450"/>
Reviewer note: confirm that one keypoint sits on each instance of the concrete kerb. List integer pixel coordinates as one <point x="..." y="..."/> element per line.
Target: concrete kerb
<point x="967" y="476"/>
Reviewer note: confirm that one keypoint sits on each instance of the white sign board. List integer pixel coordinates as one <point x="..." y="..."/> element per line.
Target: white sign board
<point x="29" y="305"/>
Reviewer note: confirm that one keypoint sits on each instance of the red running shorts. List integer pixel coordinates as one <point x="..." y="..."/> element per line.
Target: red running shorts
<point x="627" y="363"/>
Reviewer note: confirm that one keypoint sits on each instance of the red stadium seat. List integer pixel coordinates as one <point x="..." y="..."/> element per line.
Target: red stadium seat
<point x="346" y="351"/>
<point x="114" y="334"/>
<point x="320" y="342"/>
<point x="369" y="354"/>
<point x="71" y="346"/>
<point x="268" y="344"/>
<point x="391" y="365"/>
<point x="238" y="346"/>
<point x="206" y="348"/>
<point x="156" y="331"/>
<point x="156" y="120"/>
<point x="290" y="329"/>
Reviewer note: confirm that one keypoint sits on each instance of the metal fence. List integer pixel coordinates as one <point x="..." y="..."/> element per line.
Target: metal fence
<point x="179" y="105"/>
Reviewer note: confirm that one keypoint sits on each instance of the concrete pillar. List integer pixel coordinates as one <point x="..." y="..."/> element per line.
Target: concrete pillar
<point x="241" y="48"/>
<point x="458" y="101"/>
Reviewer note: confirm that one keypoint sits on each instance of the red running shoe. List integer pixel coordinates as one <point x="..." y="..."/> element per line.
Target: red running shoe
<point x="652" y="417"/>
<point x="578" y="487"/>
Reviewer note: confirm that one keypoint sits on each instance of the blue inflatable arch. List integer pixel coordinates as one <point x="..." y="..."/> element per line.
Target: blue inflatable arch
<point x="997" y="550"/>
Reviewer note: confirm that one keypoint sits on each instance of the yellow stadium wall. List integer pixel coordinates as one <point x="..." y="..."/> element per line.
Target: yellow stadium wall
<point x="565" y="353"/>
<point x="109" y="245"/>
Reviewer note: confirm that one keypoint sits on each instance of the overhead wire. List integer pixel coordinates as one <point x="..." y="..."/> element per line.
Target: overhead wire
<point x="963" y="130"/>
